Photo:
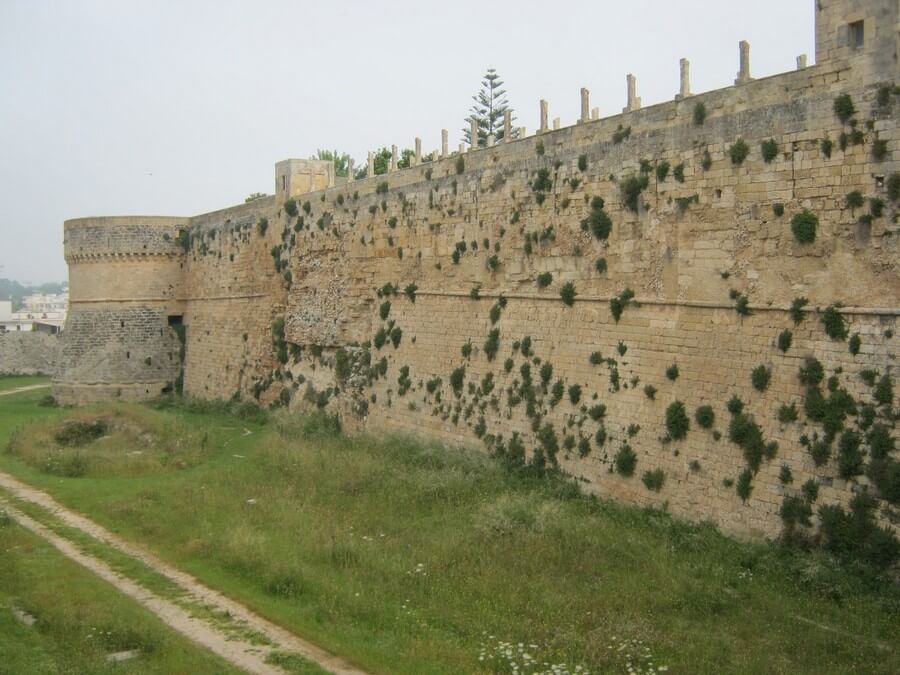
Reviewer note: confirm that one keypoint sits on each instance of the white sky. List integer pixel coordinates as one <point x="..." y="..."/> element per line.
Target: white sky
<point x="180" y="107"/>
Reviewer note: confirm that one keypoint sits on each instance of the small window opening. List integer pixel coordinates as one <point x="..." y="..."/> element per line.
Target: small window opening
<point x="857" y="34"/>
<point x="879" y="182"/>
<point x="175" y="319"/>
<point x="284" y="182"/>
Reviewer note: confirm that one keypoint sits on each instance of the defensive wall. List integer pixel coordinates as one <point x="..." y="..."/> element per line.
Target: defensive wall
<point x="28" y="353"/>
<point x="563" y="297"/>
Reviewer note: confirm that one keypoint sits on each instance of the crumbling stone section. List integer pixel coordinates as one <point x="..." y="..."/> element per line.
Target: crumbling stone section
<point x="29" y="353"/>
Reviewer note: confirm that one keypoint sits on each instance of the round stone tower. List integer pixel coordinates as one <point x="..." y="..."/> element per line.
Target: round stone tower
<point x="123" y="336"/>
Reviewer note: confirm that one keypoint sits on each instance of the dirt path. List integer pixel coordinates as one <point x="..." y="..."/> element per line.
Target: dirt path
<point x="19" y="390"/>
<point x="240" y="652"/>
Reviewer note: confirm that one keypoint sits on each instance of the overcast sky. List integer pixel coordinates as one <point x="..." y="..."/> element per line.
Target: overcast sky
<point x="177" y="108"/>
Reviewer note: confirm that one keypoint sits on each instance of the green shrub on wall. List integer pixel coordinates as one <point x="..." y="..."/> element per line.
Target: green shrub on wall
<point x="654" y="480"/>
<point x="834" y="323"/>
<point x="625" y="461"/>
<point x="705" y="416"/>
<point x="769" y="150"/>
<point x="699" y="114"/>
<point x="738" y="151"/>
<point x="677" y="422"/>
<point x="804" y="226"/>
<point x="844" y="108"/>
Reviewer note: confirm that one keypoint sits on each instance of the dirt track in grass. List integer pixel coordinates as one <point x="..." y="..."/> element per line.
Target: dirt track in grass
<point x="244" y="653"/>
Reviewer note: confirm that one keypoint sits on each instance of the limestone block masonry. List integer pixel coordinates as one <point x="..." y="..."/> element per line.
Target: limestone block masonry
<point x="29" y="353"/>
<point x="622" y="297"/>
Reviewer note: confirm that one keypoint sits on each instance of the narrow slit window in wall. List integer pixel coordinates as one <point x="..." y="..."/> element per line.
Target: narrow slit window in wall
<point x="857" y="34"/>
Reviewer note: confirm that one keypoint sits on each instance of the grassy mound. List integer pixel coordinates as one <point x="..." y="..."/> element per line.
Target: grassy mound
<point x="109" y="441"/>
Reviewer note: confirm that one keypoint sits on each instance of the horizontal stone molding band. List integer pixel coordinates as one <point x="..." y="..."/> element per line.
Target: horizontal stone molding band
<point x="130" y="301"/>
<point x="702" y="304"/>
<point x="100" y="257"/>
<point x="82" y="384"/>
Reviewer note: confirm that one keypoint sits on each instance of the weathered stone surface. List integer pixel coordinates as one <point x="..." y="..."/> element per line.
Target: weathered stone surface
<point x="29" y="353"/>
<point x="482" y="219"/>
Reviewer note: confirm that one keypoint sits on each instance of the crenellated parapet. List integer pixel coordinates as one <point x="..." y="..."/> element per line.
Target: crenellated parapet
<point x="95" y="238"/>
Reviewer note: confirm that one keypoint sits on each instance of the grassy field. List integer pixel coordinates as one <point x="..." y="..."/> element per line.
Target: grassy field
<point x="79" y="619"/>
<point x="13" y="381"/>
<point x="407" y="558"/>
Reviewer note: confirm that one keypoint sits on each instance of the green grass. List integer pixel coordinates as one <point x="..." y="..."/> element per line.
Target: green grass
<point x="80" y="619"/>
<point x="13" y="381"/>
<point x="409" y="558"/>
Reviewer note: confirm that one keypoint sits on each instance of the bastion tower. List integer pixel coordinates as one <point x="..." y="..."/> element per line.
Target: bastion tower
<point x="132" y="291"/>
<point x="121" y="338"/>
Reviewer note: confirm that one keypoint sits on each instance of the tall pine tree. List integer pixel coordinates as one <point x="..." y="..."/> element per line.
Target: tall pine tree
<point x="490" y="105"/>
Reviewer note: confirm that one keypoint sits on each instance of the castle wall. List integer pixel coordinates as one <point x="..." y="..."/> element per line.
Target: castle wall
<point x="706" y="235"/>
<point x="682" y="259"/>
<point x="230" y="287"/>
<point x="28" y="353"/>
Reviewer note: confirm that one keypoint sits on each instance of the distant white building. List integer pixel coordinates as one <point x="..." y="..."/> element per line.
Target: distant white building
<point x="45" y="312"/>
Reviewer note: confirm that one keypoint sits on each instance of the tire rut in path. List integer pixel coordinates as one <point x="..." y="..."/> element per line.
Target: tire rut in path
<point x="241" y="653"/>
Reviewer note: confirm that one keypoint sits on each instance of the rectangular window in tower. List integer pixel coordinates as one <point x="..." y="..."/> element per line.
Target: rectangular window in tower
<point x="856" y="34"/>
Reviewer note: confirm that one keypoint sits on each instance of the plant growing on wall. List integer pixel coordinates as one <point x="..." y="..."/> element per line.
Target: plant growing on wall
<point x="760" y="377"/>
<point x="567" y="293"/>
<point x="705" y="416"/>
<point x="804" y="225"/>
<point x="855" y="199"/>
<point x="662" y="171"/>
<point x="618" y="304"/>
<point x="744" y="486"/>
<point x="769" y="150"/>
<point x="785" y="338"/>
<point x="893" y="187"/>
<point x="834" y="323"/>
<point x="844" y="108"/>
<point x="544" y="279"/>
<point x="654" y="480"/>
<point x="738" y="151"/>
<point x="672" y="372"/>
<point x="787" y="413"/>
<point x="631" y="188"/>
<point x="597" y="221"/>
<point x="492" y="344"/>
<point x="620" y="134"/>
<point x="699" y="113"/>
<point x="677" y="422"/>
<point x="624" y="461"/>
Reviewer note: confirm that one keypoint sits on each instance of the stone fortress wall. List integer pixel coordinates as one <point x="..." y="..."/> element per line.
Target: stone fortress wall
<point x="283" y="298"/>
<point x="28" y="353"/>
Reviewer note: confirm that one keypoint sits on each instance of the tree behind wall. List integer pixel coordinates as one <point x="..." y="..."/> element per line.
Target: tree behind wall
<point x="490" y="106"/>
<point x="341" y="160"/>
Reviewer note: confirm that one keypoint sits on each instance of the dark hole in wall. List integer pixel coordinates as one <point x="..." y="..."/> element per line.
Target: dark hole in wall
<point x="856" y="34"/>
<point x="175" y="319"/>
<point x="863" y="233"/>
